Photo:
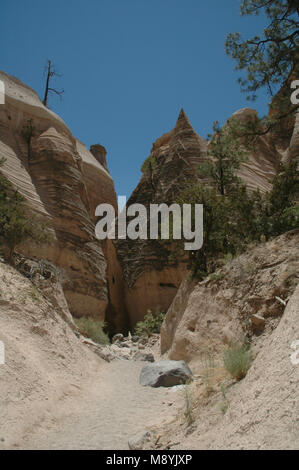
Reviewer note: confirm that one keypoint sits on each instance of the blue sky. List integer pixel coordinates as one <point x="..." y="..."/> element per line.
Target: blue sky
<point x="128" y="67"/>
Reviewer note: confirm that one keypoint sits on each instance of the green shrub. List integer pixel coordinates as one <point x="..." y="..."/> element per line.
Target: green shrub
<point x="16" y="223"/>
<point x="150" y="325"/>
<point x="234" y="218"/>
<point x="237" y="360"/>
<point x="216" y="277"/>
<point x="149" y="164"/>
<point x="188" y="407"/>
<point x="35" y="295"/>
<point x="28" y="131"/>
<point x="93" y="329"/>
<point x="227" y="258"/>
<point x="225" y="404"/>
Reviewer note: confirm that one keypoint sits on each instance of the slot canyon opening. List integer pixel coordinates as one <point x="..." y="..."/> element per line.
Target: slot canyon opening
<point x="170" y="285"/>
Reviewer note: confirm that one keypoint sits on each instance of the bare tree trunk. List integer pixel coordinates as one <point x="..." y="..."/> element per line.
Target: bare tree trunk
<point x="51" y="72"/>
<point x="45" y="101"/>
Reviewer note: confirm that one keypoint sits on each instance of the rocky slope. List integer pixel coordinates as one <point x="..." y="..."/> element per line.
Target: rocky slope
<point x="245" y="298"/>
<point x="62" y="181"/>
<point x="55" y="392"/>
<point x="44" y="360"/>
<point x="260" y="412"/>
<point x="255" y="296"/>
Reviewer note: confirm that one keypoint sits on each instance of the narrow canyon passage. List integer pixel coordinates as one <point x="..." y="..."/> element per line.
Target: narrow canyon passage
<point x="106" y="416"/>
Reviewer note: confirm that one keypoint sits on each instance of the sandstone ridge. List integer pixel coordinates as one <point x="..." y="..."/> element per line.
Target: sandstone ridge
<point x="63" y="182"/>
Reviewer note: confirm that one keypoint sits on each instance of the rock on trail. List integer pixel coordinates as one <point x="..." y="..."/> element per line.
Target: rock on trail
<point x="106" y="416"/>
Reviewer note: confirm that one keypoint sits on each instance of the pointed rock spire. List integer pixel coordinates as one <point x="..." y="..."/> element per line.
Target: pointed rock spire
<point x="184" y="132"/>
<point x="183" y="123"/>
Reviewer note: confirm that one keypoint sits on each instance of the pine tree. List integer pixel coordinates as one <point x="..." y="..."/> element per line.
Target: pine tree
<point x="226" y="154"/>
<point x="269" y="60"/>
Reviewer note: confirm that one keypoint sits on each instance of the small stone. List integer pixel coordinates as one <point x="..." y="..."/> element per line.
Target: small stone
<point x="117" y="337"/>
<point x="123" y="345"/>
<point x="143" y="340"/>
<point x="141" y="356"/>
<point x="257" y="321"/>
<point x="138" y="441"/>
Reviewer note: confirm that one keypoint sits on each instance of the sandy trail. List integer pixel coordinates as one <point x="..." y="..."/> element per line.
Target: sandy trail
<point x="106" y="415"/>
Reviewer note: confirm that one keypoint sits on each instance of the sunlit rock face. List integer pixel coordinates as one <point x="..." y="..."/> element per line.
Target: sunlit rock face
<point x="64" y="182"/>
<point x="151" y="276"/>
<point x="99" y="152"/>
<point x="262" y="160"/>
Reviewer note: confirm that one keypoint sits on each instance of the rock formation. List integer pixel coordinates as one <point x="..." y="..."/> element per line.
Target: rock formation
<point x="63" y="182"/>
<point x="260" y="411"/>
<point x="261" y="166"/>
<point x="152" y="277"/>
<point x="206" y="316"/>
<point x="99" y="152"/>
<point x="50" y="368"/>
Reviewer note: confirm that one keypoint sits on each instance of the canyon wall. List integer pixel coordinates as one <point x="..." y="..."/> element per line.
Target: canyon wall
<point x="152" y="277"/>
<point x="63" y="182"/>
<point x="239" y="300"/>
<point x="151" y="272"/>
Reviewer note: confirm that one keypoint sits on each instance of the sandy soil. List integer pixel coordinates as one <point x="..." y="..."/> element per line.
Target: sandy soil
<point x="55" y="393"/>
<point x="261" y="411"/>
<point x="106" y="416"/>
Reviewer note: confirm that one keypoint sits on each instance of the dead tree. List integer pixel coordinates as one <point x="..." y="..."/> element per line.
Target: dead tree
<point x="50" y="72"/>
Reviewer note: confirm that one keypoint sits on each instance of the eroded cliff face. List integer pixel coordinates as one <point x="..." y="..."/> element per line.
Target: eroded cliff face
<point x="62" y="181"/>
<point x="263" y="160"/>
<point x="255" y="296"/>
<point x="241" y="299"/>
<point x="261" y="410"/>
<point x="152" y="278"/>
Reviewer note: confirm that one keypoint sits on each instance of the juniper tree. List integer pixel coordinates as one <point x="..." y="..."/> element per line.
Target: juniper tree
<point x="226" y="154"/>
<point x="16" y="223"/>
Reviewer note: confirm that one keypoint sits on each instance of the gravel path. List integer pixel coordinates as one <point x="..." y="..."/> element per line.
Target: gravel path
<point x="106" y="416"/>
